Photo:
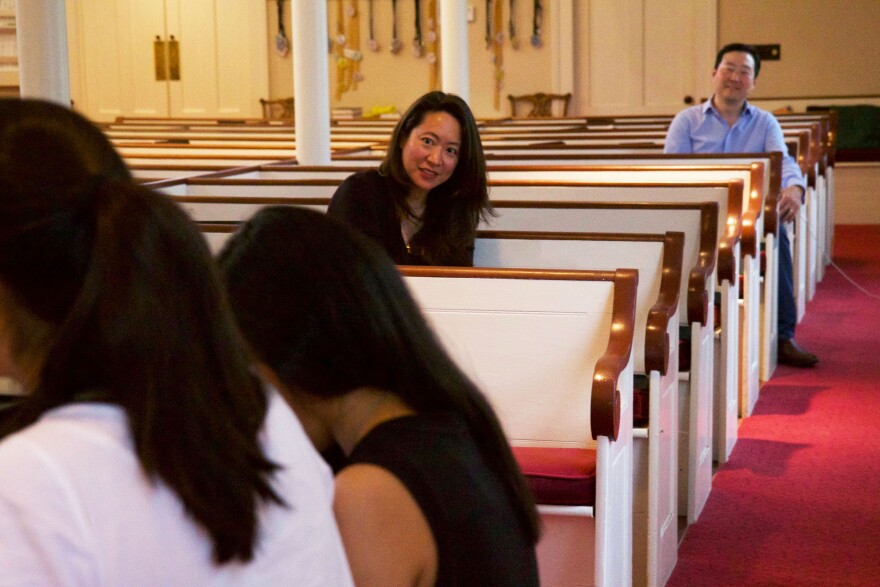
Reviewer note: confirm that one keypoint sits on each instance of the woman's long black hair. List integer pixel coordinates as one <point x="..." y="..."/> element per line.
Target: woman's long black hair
<point x="453" y="209"/>
<point x="133" y="313"/>
<point x="327" y="310"/>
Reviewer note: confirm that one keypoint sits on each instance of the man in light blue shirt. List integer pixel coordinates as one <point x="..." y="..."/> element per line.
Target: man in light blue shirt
<point x="727" y="123"/>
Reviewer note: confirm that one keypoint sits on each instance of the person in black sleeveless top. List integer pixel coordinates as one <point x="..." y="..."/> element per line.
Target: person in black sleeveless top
<point x="431" y="494"/>
<point x="426" y="199"/>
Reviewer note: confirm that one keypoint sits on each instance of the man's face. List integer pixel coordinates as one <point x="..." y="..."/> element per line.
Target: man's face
<point x="734" y="78"/>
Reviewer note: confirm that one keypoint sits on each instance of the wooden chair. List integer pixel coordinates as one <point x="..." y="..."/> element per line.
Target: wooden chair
<point x="280" y="109"/>
<point x="541" y="104"/>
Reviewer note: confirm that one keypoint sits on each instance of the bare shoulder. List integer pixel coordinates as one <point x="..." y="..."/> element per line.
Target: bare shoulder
<point x="387" y="537"/>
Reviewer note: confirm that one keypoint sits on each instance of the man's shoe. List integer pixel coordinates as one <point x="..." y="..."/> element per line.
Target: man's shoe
<point x="793" y="355"/>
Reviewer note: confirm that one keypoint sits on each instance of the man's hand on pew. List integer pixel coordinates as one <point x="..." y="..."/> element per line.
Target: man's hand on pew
<point x="790" y="202"/>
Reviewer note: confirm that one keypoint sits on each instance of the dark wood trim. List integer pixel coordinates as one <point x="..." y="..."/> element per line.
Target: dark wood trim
<point x="185" y="156"/>
<point x="575" y="236"/>
<point x="206" y="167"/>
<point x="615" y="184"/>
<point x="699" y="276"/>
<point x="216" y="179"/>
<point x="292" y="167"/>
<point x="594" y="147"/>
<point x="220" y="227"/>
<point x="261" y="200"/>
<point x="835" y="97"/>
<point x="771" y="202"/>
<point x="605" y="405"/>
<point x="714" y="251"/>
<point x="736" y="232"/>
<point x="505" y="273"/>
<point x="801" y="151"/>
<point x="226" y="172"/>
<point x="656" y="330"/>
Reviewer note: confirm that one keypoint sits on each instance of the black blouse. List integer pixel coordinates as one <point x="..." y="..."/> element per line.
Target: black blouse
<point x="364" y="201"/>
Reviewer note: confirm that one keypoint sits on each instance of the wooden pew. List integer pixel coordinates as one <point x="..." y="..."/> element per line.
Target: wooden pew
<point x="575" y="128"/>
<point x="658" y="261"/>
<point x="763" y="363"/>
<point x="766" y="169"/>
<point x="798" y="231"/>
<point x="699" y="223"/>
<point x="567" y="184"/>
<point x="216" y="209"/>
<point x="751" y="337"/>
<point x="654" y="125"/>
<point x="532" y="340"/>
<point x="760" y="326"/>
<point x="652" y="129"/>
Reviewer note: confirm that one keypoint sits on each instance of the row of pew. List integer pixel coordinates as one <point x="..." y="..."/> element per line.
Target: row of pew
<point x="685" y="420"/>
<point x="620" y="316"/>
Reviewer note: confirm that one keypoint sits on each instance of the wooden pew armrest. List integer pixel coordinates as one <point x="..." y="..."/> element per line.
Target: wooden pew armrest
<point x="771" y="212"/>
<point x="605" y="404"/>
<point x="657" y="331"/>
<point x="727" y="268"/>
<point x="749" y="234"/>
<point x="701" y="273"/>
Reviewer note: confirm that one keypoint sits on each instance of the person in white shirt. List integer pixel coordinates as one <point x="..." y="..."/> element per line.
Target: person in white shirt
<point x="145" y="451"/>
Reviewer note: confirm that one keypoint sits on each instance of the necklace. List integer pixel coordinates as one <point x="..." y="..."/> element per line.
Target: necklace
<point x="409" y="226"/>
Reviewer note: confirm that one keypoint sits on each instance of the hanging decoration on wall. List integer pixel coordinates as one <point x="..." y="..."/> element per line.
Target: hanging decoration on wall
<point x="396" y="45"/>
<point x="353" y="50"/>
<point x="488" y="34"/>
<point x="511" y="25"/>
<point x="372" y="43"/>
<point x="418" y="46"/>
<point x="282" y="43"/>
<point x="432" y="44"/>
<point x="498" y="58"/>
<point x="348" y="54"/>
<point x="537" y="22"/>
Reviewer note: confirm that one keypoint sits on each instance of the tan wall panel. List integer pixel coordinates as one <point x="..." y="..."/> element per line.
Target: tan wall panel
<point x="828" y="47"/>
<point x="855" y="196"/>
<point x="829" y="42"/>
<point x="398" y="80"/>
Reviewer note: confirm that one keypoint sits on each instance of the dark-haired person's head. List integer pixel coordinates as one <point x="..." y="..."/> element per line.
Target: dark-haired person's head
<point x="471" y="161"/>
<point x="327" y="311"/>
<point x="739" y="48"/>
<point x="453" y="207"/>
<point x="53" y="164"/>
<point x="108" y="290"/>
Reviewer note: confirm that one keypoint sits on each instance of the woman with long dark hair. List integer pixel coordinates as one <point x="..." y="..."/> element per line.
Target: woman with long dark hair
<point x="431" y="494"/>
<point x="424" y="203"/>
<point x="145" y="452"/>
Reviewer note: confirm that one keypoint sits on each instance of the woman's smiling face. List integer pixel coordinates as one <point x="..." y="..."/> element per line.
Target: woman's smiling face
<point x="430" y="152"/>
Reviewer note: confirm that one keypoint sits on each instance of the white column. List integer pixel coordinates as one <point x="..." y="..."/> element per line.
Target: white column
<point x="42" y="50"/>
<point x="562" y="55"/>
<point x="311" y="83"/>
<point x="454" y="76"/>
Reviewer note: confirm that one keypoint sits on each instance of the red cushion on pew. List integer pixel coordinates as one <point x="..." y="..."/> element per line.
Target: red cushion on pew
<point x="640" y="407"/>
<point x="559" y="476"/>
<point x="684" y="355"/>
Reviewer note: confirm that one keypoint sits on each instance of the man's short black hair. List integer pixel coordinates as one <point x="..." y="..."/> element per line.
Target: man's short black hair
<point x="741" y="48"/>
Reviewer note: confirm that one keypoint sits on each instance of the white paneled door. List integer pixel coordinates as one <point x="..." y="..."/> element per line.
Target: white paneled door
<point x="178" y="58"/>
<point x="643" y="56"/>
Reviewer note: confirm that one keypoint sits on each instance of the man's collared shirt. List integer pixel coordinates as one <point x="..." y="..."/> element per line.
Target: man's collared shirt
<point x="702" y="129"/>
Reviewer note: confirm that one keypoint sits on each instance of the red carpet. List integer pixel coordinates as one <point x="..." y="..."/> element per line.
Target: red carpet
<point x="798" y="504"/>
